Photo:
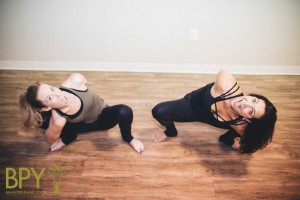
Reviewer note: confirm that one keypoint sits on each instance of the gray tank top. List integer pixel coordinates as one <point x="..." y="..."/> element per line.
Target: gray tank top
<point x="90" y="109"/>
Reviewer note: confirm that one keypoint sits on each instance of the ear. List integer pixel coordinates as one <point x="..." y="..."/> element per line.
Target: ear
<point x="247" y="120"/>
<point x="46" y="109"/>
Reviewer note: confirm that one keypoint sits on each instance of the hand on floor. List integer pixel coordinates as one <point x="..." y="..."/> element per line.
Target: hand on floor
<point x="56" y="145"/>
<point x="236" y="145"/>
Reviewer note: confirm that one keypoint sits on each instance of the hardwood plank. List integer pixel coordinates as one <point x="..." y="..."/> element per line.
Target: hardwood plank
<point x="194" y="165"/>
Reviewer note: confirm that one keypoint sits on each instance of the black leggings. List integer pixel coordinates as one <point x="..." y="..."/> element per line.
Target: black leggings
<point x="109" y="118"/>
<point x="166" y="113"/>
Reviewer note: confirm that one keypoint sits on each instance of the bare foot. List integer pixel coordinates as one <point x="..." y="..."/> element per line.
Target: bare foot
<point x="158" y="137"/>
<point x="137" y="145"/>
<point x="58" y="144"/>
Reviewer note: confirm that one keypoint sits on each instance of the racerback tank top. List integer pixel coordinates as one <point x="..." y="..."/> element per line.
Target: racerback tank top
<point x="202" y="100"/>
<point x="90" y="109"/>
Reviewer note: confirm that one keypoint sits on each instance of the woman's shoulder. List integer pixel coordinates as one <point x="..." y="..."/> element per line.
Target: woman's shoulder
<point x="76" y="81"/>
<point x="224" y="82"/>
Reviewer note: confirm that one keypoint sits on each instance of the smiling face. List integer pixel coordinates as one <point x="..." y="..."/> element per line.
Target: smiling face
<point x="248" y="107"/>
<point x="51" y="97"/>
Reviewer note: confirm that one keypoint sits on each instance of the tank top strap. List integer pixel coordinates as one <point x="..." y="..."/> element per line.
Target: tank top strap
<point x="225" y="96"/>
<point x="231" y="91"/>
<point x="238" y="121"/>
<point x="80" y="109"/>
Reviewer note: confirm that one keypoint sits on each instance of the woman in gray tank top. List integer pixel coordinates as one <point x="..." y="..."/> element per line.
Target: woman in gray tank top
<point x="73" y="108"/>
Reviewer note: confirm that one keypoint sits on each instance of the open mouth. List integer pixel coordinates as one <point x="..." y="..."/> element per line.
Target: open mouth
<point x="239" y="103"/>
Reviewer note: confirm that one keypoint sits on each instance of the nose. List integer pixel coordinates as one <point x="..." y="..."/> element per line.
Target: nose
<point x="58" y="95"/>
<point x="248" y="103"/>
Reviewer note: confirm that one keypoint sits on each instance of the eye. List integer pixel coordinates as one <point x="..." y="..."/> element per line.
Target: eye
<point x="251" y="112"/>
<point x="52" y="88"/>
<point x="254" y="100"/>
<point x="50" y="98"/>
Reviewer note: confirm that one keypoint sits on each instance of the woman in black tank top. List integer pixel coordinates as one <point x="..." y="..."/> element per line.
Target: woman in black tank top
<point x="250" y="119"/>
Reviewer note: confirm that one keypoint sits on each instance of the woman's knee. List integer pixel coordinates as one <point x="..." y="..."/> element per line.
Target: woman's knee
<point x="125" y="111"/>
<point x="158" y="111"/>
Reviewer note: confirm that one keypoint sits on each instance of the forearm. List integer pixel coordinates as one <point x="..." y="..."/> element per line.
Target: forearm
<point x="56" y="125"/>
<point x="67" y="136"/>
<point x="52" y="136"/>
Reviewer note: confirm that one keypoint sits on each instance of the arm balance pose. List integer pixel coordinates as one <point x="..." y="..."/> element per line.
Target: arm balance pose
<point x="73" y="108"/>
<point x="250" y="119"/>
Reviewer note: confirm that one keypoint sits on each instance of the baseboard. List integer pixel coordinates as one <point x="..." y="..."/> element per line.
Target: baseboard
<point x="149" y="67"/>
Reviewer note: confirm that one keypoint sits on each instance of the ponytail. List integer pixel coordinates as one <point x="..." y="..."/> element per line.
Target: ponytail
<point x="31" y="107"/>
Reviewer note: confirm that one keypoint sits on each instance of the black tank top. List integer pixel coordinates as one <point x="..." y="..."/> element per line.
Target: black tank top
<point x="202" y="100"/>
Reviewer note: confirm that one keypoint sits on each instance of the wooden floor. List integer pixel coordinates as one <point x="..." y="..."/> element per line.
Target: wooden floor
<point x="194" y="165"/>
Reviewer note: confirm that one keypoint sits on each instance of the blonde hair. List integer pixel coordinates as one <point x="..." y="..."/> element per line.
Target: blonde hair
<point x="31" y="107"/>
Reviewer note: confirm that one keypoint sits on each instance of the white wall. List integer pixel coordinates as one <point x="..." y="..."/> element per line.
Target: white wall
<point x="230" y="32"/>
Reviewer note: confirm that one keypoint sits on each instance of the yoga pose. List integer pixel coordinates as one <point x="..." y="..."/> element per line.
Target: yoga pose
<point x="73" y="108"/>
<point x="250" y="119"/>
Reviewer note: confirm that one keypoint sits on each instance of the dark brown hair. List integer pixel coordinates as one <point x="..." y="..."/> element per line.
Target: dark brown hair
<point x="259" y="132"/>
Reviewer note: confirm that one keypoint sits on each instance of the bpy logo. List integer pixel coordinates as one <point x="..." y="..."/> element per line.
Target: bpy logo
<point x="15" y="179"/>
<point x="56" y="174"/>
